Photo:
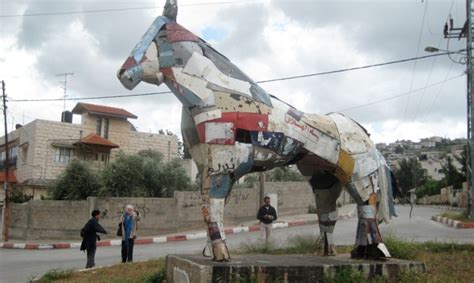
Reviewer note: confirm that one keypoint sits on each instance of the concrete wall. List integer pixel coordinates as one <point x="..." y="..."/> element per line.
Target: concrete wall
<point x="64" y="219"/>
<point x="448" y="196"/>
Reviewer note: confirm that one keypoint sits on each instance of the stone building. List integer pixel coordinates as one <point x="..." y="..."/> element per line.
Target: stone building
<point x="41" y="150"/>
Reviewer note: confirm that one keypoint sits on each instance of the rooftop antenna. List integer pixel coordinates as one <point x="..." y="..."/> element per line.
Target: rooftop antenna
<point x="65" y="86"/>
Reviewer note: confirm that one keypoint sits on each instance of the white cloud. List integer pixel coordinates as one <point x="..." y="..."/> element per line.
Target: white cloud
<point x="267" y="40"/>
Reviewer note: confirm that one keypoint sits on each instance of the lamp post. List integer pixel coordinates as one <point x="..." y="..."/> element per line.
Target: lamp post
<point x="470" y="117"/>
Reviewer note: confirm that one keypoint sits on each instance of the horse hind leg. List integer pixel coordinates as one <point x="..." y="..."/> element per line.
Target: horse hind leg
<point x="326" y="195"/>
<point x="369" y="242"/>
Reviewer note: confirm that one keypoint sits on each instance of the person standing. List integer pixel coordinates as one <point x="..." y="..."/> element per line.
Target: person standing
<point x="129" y="232"/>
<point x="266" y="214"/>
<point x="90" y="237"/>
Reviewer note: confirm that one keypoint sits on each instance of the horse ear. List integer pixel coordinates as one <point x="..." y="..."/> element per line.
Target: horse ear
<point x="171" y="9"/>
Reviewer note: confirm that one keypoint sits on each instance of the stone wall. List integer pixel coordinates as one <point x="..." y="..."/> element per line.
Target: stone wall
<point x="38" y="219"/>
<point x="447" y="196"/>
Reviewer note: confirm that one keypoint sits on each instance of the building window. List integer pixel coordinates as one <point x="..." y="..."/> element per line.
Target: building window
<point x="106" y="128"/>
<point x="63" y="155"/>
<point x="98" y="128"/>
<point x="102" y="127"/>
<point x="12" y="157"/>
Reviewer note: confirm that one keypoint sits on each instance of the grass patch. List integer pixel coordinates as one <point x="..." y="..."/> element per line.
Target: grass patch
<point x="56" y="275"/>
<point x="457" y="216"/>
<point x="152" y="271"/>
<point x="445" y="262"/>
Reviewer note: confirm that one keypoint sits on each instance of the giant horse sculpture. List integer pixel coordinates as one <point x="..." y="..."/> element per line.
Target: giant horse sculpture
<point x="233" y="127"/>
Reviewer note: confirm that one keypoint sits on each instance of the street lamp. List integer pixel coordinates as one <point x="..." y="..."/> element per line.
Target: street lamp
<point x="466" y="60"/>
<point x="463" y="59"/>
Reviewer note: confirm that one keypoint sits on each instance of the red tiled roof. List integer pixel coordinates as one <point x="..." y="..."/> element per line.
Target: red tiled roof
<point x="102" y="110"/>
<point x="11" y="176"/>
<point x="94" y="139"/>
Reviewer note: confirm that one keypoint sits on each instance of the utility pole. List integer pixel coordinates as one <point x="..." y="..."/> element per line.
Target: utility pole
<point x="466" y="31"/>
<point x="64" y="86"/>
<point x="6" y="205"/>
<point x="470" y="104"/>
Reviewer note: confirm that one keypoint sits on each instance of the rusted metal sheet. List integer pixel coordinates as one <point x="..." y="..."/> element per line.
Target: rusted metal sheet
<point x="176" y="33"/>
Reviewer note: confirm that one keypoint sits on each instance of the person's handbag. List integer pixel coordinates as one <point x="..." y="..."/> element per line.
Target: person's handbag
<point x="119" y="231"/>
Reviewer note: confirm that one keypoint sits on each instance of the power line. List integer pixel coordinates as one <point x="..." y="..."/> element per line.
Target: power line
<point x="354" y="68"/>
<point x="433" y="63"/>
<point x="399" y="95"/>
<point x="121" y="9"/>
<point x="90" y="98"/>
<point x="261" y="82"/>
<point x="414" y="65"/>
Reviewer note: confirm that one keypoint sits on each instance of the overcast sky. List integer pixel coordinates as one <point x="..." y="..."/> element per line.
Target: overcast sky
<point x="266" y="39"/>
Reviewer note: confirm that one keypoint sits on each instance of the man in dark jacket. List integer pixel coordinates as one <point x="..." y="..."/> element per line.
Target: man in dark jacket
<point x="266" y="214"/>
<point x="89" y="241"/>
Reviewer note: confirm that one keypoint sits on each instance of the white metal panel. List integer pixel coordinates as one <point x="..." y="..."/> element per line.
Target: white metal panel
<point x="354" y="139"/>
<point x="203" y="68"/>
<point x="208" y="115"/>
<point x="313" y="140"/>
<point x="216" y="211"/>
<point x="222" y="131"/>
<point x="197" y="86"/>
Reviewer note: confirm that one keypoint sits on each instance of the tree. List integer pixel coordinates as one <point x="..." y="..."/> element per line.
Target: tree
<point x="431" y="187"/>
<point x="77" y="182"/>
<point x="277" y="174"/>
<point x="410" y="174"/>
<point x="143" y="175"/>
<point x="464" y="159"/>
<point x="452" y="177"/>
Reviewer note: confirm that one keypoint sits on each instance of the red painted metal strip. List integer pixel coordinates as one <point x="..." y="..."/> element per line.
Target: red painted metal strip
<point x="242" y="120"/>
<point x="176" y="33"/>
<point x="168" y="73"/>
<point x="130" y="62"/>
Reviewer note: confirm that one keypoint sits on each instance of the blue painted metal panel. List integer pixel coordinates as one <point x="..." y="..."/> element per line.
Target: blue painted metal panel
<point x="166" y="55"/>
<point x="148" y="37"/>
<point x="220" y="186"/>
<point x="260" y="95"/>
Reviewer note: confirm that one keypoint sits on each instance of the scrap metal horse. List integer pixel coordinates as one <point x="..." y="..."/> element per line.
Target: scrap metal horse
<point x="233" y="127"/>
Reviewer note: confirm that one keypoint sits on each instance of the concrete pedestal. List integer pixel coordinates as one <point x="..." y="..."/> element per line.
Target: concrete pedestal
<point x="279" y="268"/>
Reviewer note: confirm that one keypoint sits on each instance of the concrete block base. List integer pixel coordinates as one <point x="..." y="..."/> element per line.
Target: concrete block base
<point x="280" y="268"/>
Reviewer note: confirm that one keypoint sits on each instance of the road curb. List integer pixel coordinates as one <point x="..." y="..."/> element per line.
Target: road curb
<point x="165" y="239"/>
<point x="453" y="223"/>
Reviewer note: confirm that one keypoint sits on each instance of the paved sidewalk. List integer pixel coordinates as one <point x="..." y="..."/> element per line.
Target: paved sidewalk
<point x="345" y="212"/>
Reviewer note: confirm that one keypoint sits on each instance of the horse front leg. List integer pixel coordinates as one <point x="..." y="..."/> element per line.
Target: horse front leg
<point x="214" y="191"/>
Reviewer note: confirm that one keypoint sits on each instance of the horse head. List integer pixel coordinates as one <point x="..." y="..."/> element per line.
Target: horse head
<point x="193" y="70"/>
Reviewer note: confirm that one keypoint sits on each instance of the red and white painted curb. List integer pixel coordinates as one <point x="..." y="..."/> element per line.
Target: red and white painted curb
<point x="153" y="240"/>
<point x="165" y="239"/>
<point x="453" y="223"/>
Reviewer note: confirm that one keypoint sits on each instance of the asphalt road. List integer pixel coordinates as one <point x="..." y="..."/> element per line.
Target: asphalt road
<point x="21" y="265"/>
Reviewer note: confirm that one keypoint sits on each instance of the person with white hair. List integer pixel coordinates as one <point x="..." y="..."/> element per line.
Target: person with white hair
<point x="128" y="221"/>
